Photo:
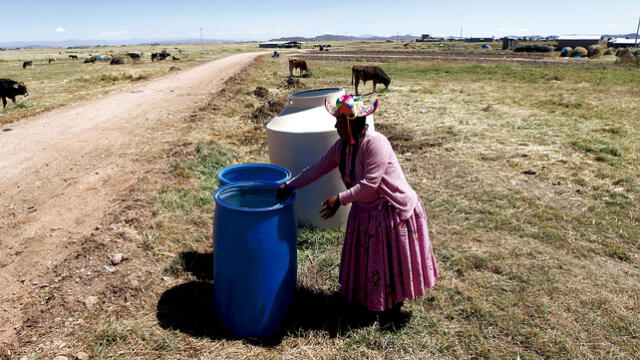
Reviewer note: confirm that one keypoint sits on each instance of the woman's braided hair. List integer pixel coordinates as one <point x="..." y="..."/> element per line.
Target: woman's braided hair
<point x="357" y="128"/>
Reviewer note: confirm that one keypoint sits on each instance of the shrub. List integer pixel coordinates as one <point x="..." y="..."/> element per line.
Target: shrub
<point x="580" y="51"/>
<point x="117" y="61"/>
<point x="628" y="56"/>
<point x="566" y="52"/>
<point x="594" y="51"/>
<point x="609" y="51"/>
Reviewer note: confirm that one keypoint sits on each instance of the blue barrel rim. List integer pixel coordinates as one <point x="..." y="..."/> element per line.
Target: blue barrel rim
<point x="222" y="172"/>
<point x="269" y="184"/>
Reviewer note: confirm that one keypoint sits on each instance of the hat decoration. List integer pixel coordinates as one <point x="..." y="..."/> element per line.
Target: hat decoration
<point x="351" y="106"/>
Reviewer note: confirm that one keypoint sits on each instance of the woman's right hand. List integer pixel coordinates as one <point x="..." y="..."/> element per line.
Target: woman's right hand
<point x="283" y="192"/>
<point x="329" y="207"/>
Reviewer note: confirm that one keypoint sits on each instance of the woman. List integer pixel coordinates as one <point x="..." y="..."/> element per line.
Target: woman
<point x="387" y="255"/>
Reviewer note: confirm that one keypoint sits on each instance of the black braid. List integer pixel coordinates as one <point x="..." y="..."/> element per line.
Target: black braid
<point x="361" y="121"/>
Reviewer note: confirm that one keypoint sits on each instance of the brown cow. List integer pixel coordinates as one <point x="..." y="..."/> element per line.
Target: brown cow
<point x="27" y="64"/>
<point x="295" y="63"/>
<point x="52" y="60"/>
<point x="368" y="72"/>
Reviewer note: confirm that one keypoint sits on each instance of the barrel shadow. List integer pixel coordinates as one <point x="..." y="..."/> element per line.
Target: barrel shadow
<point x="198" y="264"/>
<point x="189" y="308"/>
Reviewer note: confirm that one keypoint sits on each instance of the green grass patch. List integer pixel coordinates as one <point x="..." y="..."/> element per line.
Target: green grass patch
<point x="596" y="146"/>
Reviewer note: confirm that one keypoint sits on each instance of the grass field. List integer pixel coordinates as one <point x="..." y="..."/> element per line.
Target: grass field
<point x="529" y="175"/>
<point x="65" y="81"/>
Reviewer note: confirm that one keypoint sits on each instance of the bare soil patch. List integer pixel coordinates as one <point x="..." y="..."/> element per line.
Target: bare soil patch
<point x="64" y="173"/>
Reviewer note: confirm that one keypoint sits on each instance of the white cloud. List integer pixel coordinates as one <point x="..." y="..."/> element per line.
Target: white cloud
<point x="114" y="34"/>
<point x="59" y="29"/>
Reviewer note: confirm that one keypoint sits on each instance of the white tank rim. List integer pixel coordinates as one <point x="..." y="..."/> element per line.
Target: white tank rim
<point x="324" y="94"/>
<point x="305" y="132"/>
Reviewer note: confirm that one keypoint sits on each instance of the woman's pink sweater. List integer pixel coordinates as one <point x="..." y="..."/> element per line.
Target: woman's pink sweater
<point x="378" y="176"/>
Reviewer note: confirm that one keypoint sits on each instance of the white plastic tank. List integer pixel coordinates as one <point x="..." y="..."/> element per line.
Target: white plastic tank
<point x="298" y="137"/>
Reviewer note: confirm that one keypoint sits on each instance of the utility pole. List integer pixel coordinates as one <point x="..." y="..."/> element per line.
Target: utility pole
<point x="635" y="44"/>
<point x="200" y="36"/>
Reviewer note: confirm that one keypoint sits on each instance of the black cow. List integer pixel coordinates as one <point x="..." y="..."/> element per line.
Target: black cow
<point x="10" y="89"/>
<point x="368" y="72"/>
<point x="134" y="56"/>
<point x="159" y="56"/>
<point x="73" y="57"/>
<point x="27" y="64"/>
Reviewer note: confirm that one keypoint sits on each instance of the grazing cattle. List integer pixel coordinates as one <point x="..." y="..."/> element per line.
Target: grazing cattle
<point x="73" y="57"/>
<point x="134" y="56"/>
<point x="366" y="73"/>
<point x="52" y="60"/>
<point x="10" y="89"/>
<point x="159" y="56"/>
<point x="295" y="63"/>
<point x="27" y="64"/>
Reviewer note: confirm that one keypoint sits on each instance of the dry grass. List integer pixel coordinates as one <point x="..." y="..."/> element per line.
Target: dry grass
<point x="67" y="81"/>
<point x="530" y="178"/>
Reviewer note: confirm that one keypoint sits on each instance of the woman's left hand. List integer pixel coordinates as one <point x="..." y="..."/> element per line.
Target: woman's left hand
<point x="329" y="207"/>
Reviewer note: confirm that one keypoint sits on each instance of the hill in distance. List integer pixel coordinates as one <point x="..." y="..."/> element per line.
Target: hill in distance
<point x="94" y="42"/>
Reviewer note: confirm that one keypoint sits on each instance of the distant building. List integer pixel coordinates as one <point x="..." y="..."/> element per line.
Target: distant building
<point x="578" y="40"/>
<point x="623" y="43"/>
<point x="509" y="43"/>
<point x="281" y="44"/>
<point x="479" y="39"/>
<point x="427" y="38"/>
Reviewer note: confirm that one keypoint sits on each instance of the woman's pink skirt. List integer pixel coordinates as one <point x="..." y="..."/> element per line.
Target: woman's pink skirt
<point x="386" y="260"/>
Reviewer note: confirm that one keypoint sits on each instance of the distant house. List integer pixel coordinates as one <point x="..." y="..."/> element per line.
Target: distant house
<point x="281" y="44"/>
<point x="623" y="43"/>
<point x="427" y="38"/>
<point x="578" y="40"/>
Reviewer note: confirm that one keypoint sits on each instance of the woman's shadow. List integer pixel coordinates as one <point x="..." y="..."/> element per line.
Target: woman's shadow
<point x="189" y="308"/>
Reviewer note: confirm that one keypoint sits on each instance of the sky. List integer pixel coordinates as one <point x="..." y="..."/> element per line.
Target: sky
<point x="38" y="20"/>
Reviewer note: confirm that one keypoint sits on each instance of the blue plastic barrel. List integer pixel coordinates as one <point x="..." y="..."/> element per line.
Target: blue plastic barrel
<point x="253" y="172"/>
<point x="254" y="257"/>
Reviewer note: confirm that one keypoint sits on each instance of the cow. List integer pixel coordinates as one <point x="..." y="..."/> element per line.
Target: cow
<point x="295" y="63"/>
<point x="10" y="89"/>
<point x="134" y="56"/>
<point x="368" y="72"/>
<point x="73" y="57"/>
<point x="27" y="64"/>
<point x="52" y="60"/>
<point x="159" y="56"/>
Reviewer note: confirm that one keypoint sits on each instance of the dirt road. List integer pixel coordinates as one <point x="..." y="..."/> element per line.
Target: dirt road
<point x="60" y="170"/>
